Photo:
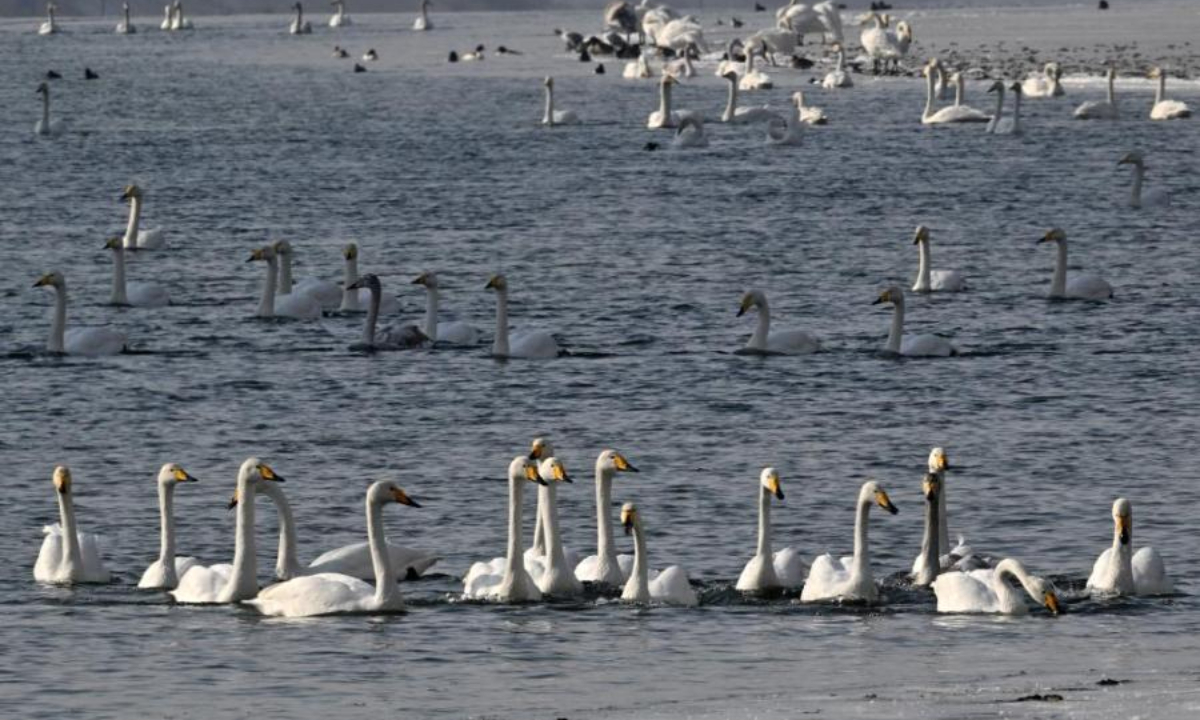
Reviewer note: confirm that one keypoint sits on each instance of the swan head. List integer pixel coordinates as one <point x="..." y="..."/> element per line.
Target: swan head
<point x="629" y="517"/>
<point x="731" y="76"/>
<point x="114" y="244"/>
<point x="798" y="98"/>
<point x="497" y="282"/>
<point x="172" y="473"/>
<point x="1154" y="74"/>
<point x="613" y="461"/>
<point x="1122" y="513"/>
<point x="1054" y="235"/>
<point x="1016" y="88"/>
<point x="522" y="467"/>
<point x="251" y="472"/>
<point x="370" y="281"/>
<point x="871" y="492"/>
<point x="350" y="251"/>
<point x="282" y="247"/>
<point x="43" y="89"/>
<point x="265" y="253"/>
<point x="751" y="299"/>
<point x="938" y="461"/>
<point x="769" y="479"/>
<point x="52" y="279"/>
<point x="131" y="191"/>
<point x="388" y="492"/>
<point x="540" y="449"/>
<point x="552" y="470"/>
<point x="931" y="485"/>
<point x="1111" y="74"/>
<point x="1132" y="158"/>
<point x="893" y="295"/>
<point x="62" y="480"/>
<point x="921" y="235"/>
<point x="1048" y="596"/>
<point x="997" y="86"/>
<point x="428" y="279"/>
<point x="548" y="82"/>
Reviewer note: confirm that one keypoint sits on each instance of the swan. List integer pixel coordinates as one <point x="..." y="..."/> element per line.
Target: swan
<point x="786" y="131"/>
<point x="536" y="556"/>
<point x="638" y="69"/>
<point x="769" y="570"/>
<point x="339" y="18"/>
<point x="606" y="567"/>
<point x="730" y="63"/>
<point x="1045" y="86"/>
<point x="780" y="342"/>
<point x="422" y="22"/>
<point x="391" y="337"/>
<point x="940" y="84"/>
<point x="1154" y="197"/>
<point x="50" y="27"/>
<point x="960" y="93"/>
<point x="134" y="294"/>
<point x="961" y="556"/>
<point x="741" y="115"/>
<point x="809" y="114"/>
<point x="168" y="15"/>
<point x="78" y="559"/>
<point x="1079" y="286"/>
<point x="299" y="26"/>
<point x="925" y="345"/>
<point x="754" y="79"/>
<point x="1164" y="109"/>
<point x="1101" y="109"/>
<point x="664" y="117"/>
<point x="530" y="344"/>
<point x="220" y="584"/>
<point x="292" y="305"/>
<point x="850" y="577"/>
<point x="679" y="33"/>
<point x="988" y="591"/>
<point x="1120" y="571"/>
<point x="178" y="20"/>
<point x="838" y="77"/>
<point x="331" y="593"/>
<point x="885" y="45"/>
<point x="1000" y="125"/>
<point x="929" y="561"/>
<point x="551" y="572"/>
<point x="135" y="237"/>
<point x="506" y="579"/>
<point x="933" y="280"/>
<point x="79" y="341"/>
<point x="451" y="333"/>
<point x="654" y="21"/>
<point x="556" y="117"/>
<point x="682" y="67"/>
<point x="326" y="294"/>
<point x="358" y="299"/>
<point x="45" y="126"/>
<point x="125" y="27"/>
<point x="164" y="573"/>
<point x="670" y="587"/>
<point x="952" y="114"/>
<point x="689" y="134"/>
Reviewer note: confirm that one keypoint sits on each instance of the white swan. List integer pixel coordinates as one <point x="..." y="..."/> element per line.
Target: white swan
<point x="552" y="573"/>
<point x="689" y="134"/>
<point x="292" y="305"/>
<point x="68" y="556"/>
<point x="1078" y="286"/>
<point x="327" y="294"/>
<point x="822" y="17"/>
<point x="940" y="82"/>
<point x="960" y="94"/>
<point x="665" y="117"/>
<point x="925" y="345"/>
<point x="299" y="26"/>
<point x="929" y="280"/>
<point x="1154" y="197"/>
<point x="357" y="299"/>
<point x="638" y="69"/>
<point x="988" y="591"/>
<point x="753" y="79"/>
<point x="452" y="332"/>
<point x="769" y="570"/>
<point x="391" y="337"/>
<point x="670" y="587"/>
<point x="423" y="22"/>
<point x="178" y="20"/>
<point x="50" y="27"/>
<point x="339" y="18"/>
<point x="780" y="342"/>
<point x="506" y="579"/>
<point x="952" y="114"/>
<point x="135" y="237"/>
<point x="1101" y="109"/>
<point x="606" y="567"/>
<point x="220" y="584"/>
<point x="1164" y="109"/>
<point x="45" y="126"/>
<point x="849" y="578"/>
<point x="554" y="117"/>
<point x="838" y="77"/>
<point x="530" y="344"/>
<point x="168" y="15"/>
<point x="809" y="114"/>
<point x="960" y="556"/>
<point x="1120" y="571"/>
<point x="136" y="294"/>
<point x="741" y="115"/>
<point x="1000" y="125"/>
<point x="681" y="67"/>
<point x="164" y="573"/>
<point x="77" y="341"/>
<point x="883" y="45"/>
<point x="787" y="130"/>
<point x="775" y="41"/>
<point x="330" y="593"/>
<point x="1047" y="85"/>
<point x="929" y="561"/>
<point x="125" y="27"/>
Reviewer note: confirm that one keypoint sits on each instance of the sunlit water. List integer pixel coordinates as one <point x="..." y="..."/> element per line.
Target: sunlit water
<point x="241" y="134"/>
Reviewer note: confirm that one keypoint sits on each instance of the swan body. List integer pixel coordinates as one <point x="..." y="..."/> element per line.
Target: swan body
<point x="531" y="344"/>
<point x="327" y="294"/>
<point x="300" y="26"/>
<point x="665" y="117"/>
<point x="68" y="556"/>
<point x="1154" y="197"/>
<point x="838" y="77"/>
<point x="422" y="22"/>
<point x="506" y="579"/>
<point x="135" y="294"/>
<point x="680" y="33"/>
<point x="606" y="567"/>
<point x="391" y="337"/>
<point x="451" y="333"/>
<point x="928" y="279"/>
<point x="780" y="342"/>
<point x="125" y="27"/>
<point x="77" y="341"/>
<point x="164" y="573"/>
<point x="339" y="18"/>
<point x="769" y="570"/>
<point x="554" y="117"/>
<point x="669" y="587"/>
<point x="135" y="237"/>
<point x="168" y="15"/>
<point x="1164" y="109"/>
<point x="898" y="343"/>
<point x="740" y="115"/>
<point x="689" y="134"/>
<point x="988" y="591"/>
<point x="786" y="131"/>
<point x="809" y="114"/>
<point x="1101" y="109"/>
<point x="822" y="17"/>
<point x="1046" y="85"/>
<point x="50" y="27"/>
<point x="753" y="79"/>
<point x="954" y="113"/>
<point x="776" y="41"/>
<point x="45" y="126"/>
<point x="1076" y="286"/>
<point x="849" y="578"/>
<point x="1120" y="571"/>
<point x="999" y="124"/>
<point x="293" y="305"/>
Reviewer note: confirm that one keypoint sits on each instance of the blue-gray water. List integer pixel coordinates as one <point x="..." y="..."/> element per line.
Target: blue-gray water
<point x="241" y="134"/>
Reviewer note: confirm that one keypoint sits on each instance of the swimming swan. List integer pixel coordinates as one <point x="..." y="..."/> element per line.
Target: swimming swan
<point x="769" y="570"/>
<point x="78" y="559"/>
<point x="168" y="15"/>
<point x="787" y="130"/>
<point x="1154" y="197"/>
<point x="1164" y="109"/>
<point x="299" y="26"/>
<point x="1078" y="286"/>
<point x="1046" y="85"/>
<point x="753" y="79"/>
<point x="339" y="18"/>
<point x="988" y="591"/>
<point x="929" y="561"/>
<point x="423" y="22"/>
<point x="135" y="294"/>
<point x="670" y="587"/>
<point x="50" y="27"/>
<point x="838" y="77"/>
<point x="330" y="593"/>
<point x="78" y="341"/>
<point x="164" y="573"/>
<point x="356" y="299"/>
<point x="453" y="332"/>
<point x="926" y="345"/>
<point x="45" y="126"/>
<point x="556" y="117"/>
<point x="292" y="305"/>
<point x="391" y="337"/>
<point x="1000" y="125"/>
<point x="809" y="114"/>
<point x="689" y="134"/>
<point x="1120" y="571"/>
<point x="552" y="573"/>
<point x="952" y="114"/>
<point x="664" y="117"/>
<point x="1101" y="109"/>
<point x="125" y="27"/>
<point x="780" y="342"/>
<point x="742" y="115"/>
<point x="135" y="237"/>
<point x="506" y="579"/>
<point x="606" y="567"/>
<point x="929" y="280"/>
<point x="850" y="577"/>
<point x="530" y="344"/>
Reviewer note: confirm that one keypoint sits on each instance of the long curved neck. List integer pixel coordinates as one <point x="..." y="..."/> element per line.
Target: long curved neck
<point x="548" y="119"/>
<point x="930" y="547"/>
<point x="514" y="559"/>
<point x="943" y="526"/>
<point x="285" y="274"/>
<point x="897" y="331"/>
<point x="999" y="106"/>
<point x="166" y="512"/>
<point x="862" y="554"/>
<point x="1058" y="286"/>
<point x="764" y="522"/>
<point x="731" y="104"/>
<point x="664" y="101"/>
<point x="928" y="95"/>
<point x="762" y="330"/>
<point x="287" y="565"/>
<point x="749" y="61"/>
<point x="841" y="61"/>
<point x="641" y="566"/>
<point x="243" y="581"/>
<point x="958" y="90"/>
<point x="72" y="557"/>
<point x="349" y="277"/>
<point x="431" y="313"/>
<point x="604" y="533"/>
<point x="119" y="296"/>
<point x="135" y="216"/>
<point x="1136" y="200"/>
<point x="299" y="16"/>
<point x="125" y="10"/>
<point x="386" y="590"/>
<point x="1122" y="552"/>
<point x="372" y="316"/>
<point x="923" y="269"/>
<point x="1160" y="91"/>
<point x="500" y="343"/>
<point x="539" y="525"/>
<point x="58" y="329"/>
<point x="554" y="547"/>
<point x="266" y="305"/>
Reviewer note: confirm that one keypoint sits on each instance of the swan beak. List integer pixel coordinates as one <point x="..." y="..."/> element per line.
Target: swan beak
<point x="401" y="497"/>
<point x="112" y="243"/>
<point x="266" y="473"/>
<point x="1051" y="602"/>
<point x="182" y="475"/>
<point x="885" y="502"/>
<point x="42" y="281"/>
<point x="1123" y="529"/>
<point x="885" y="296"/>
<point x="256" y="255"/>
<point x="233" y="501"/>
<point x="62" y="480"/>
<point x="622" y="464"/>
<point x="531" y="474"/>
<point x="422" y="279"/>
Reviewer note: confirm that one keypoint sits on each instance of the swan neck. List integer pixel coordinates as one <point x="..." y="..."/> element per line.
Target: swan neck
<point x="1058" y="287"/>
<point x="958" y="91"/>
<point x="500" y="343"/>
<point x="1112" y="93"/>
<point x="862" y="555"/>
<point x="372" y="317"/>
<point x="604" y="533"/>
<point x="764" y="522"/>
<point x="731" y="103"/>
<point x="72" y="557"/>
<point x="431" y="313"/>
<point x="386" y="589"/>
<point x="549" y="117"/>
<point x="166" y="512"/>
<point x="923" y="268"/>
<point x="930" y="547"/>
<point x="664" y="102"/>
<point x="943" y="526"/>
<point x="349" y="277"/>
<point x="1016" y="110"/>
<point x="641" y="567"/>
<point x="897" y="330"/>
<point x="999" y="107"/>
<point x="513" y="561"/>
<point x="287" y="565"/>
<point x="266" y="306"/>
<point x="285" y="274"/>
<point x="58" y="329"/>
<point x="135" y="217"/>
<point x="928" y="96"/>
<point x="243" y="581"/>
<point x="762" y="329"/>
<point x="554" y="547"/>
<point x="119" y="296"/>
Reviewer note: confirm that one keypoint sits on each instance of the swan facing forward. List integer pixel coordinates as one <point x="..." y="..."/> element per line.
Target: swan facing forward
<point x="1164" y="109"/>
<point x="1077" y="286"/>
<point x="925" y="345"/>
<point x="554" y="117"/>
<point x="988" y="591"/>
<point x="135" y="237"/>
<point x="929" y="280"/>
<point x="1154" y="197"/>
<point x="769" y="570"/>
<point x="1101" y="109"/>
<point x="838" y="77"/>
<point x="670" y="587"/>
<point x="68" y="556"/>
<point x="849" y="578"/>
<point x="1120" y="571"/>
<point x="164" y="573"/>
<point x="780" y="342"/>
<point x="742" y="115"/>
<point x="77" y="341"/>
<point x="551" y="571"/>
<point x="605" y="567"/>
<point x="505" y="579"/>
<point x="530" y="344"/>
<point x="50" y="27"/>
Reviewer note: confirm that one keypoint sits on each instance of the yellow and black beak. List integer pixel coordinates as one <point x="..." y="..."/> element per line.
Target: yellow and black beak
<point x="1123" y="529"/>
<point x="127" y="193"/>
<point x="401" y="497"/>
<point x="42" y="281"/>
<point x="112" y="243"/>
<point x="560" y="473"/>
<point x="349" y="252"/>
<point x="256" y="255"/>
<point x="884" y="296"/>
<point x="775" y="487"/>
<point x="1050" y="600"/>
<point x="531" y="474"/>
<point x="493" y="283"/>
<point x="622" y="464"/>
<point x="182" y="475"/>
<point x="422" y="279"/>
<point x="881" y="497"/>
<point x="266" y="473"/>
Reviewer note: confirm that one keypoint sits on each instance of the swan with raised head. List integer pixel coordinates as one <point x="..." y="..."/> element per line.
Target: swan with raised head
<point x="768" y="569"/>
<point x="390" y="337"/>
<point x="68" y="556"/>
<point x="327" y="294"/>
<point x="741" y="115"/>
<point x="125" y="27"/>
<point x="529" y="344"/>
<point x="664" y="116"/>
<point x="552" y="572"/>
<point x="787" y="130"/>
<point x="689" y="134"/>
<point x="179" y="21"/>
<point x="292" y="305"/>
<point x="423" y="22"/>
<point x="809" y="114"/>
<point x="77" y="341"/>
<point x="1101" y="109"/>
<point x="1076" y="286"/>
<point x="168" y="15"/>
<point x="960" y="94"/>
<point x="928" y="279"/>
<point x="164" y="573"/>
<point x="358" y="299"/>
<point x="1120" y="571"/>
<point x="554" y="117"/>
<point x="135" y="294"/>
<point x="670" y="586"/>
<point x="838" y="77"/>
<point x="940" y="84"/>
<point x="1046" y="85"/>
<point x="849" y="578"/>
<point x="230" y="583"/>
<point x="952" y="114"/>
<point x="1154" y="197"/>
<point x="135" y="237"/>
<point x="506" y="579"/>
<point x="45" y="126"/>
<point x="330" y="593"/>
<point x="1163" y="108"/>
<point x="451" y="332"/>
<point x="753" y="79"/>
<point x="681" y="68"/>
<point x="960" y="556"/>
<point x="780" y="342"/>
<point x="924" y="345"/>
<point x="606" y="567"/>
<point x="300" y="26"/>
<point x="929" y="561"/>
<point x="50" y="27"/>
<point x="999" y="124"/>
<point x="339" y="18"/>
<point x="989" y="591"/>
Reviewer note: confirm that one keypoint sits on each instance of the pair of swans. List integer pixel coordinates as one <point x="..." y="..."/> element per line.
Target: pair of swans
<point x="771" y="570"/>
<point x="781" y="342"/>
<point x="923" y="345"/>
<point x="1000" y="125"/>
<point x="125" y="27"/>
<point x="957" y="113"/>
<point x="1101" y="109"/>
<point x="1047" y="85"/>
<point x="451" y="332"/>
<point x="135" y="237"/>
<point x="133" y="294"/>
<point x="554" y="117"/>
<point x="50" y="27"/>
<point x="1139" y="197"/>
<point x="68" y="556"/>
<point x="423" y="22"/>
<point x="45" y="126"/>
<point x="1076" y="286"/>
<point x="1120" y="571"/>
<point x="882" y="44"/>
<point x="930" y="280"/>
<point x="339" y="18"/>
<point x="1164" y="109"/>
<point x="838" y="77"/>
<point x="300" y="26"/>
<point x="295" y="305"/>
<point x="89" y="341"/>
<point x="849" y="578"/>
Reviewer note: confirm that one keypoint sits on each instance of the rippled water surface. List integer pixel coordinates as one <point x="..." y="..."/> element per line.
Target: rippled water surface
<point x="241" y="134"/>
